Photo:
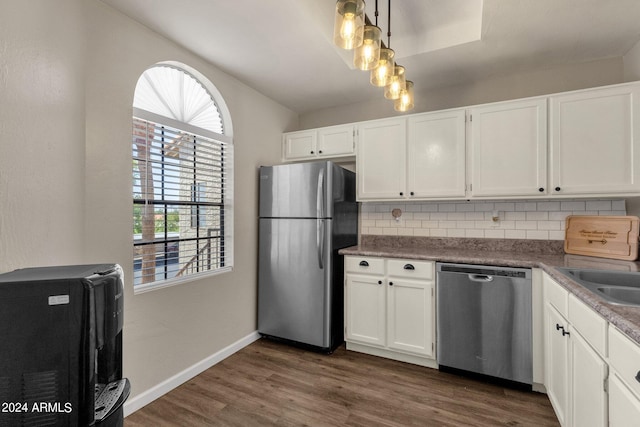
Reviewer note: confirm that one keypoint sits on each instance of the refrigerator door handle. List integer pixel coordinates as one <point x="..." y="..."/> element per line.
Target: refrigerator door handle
<point x="320" y="195"/>
<point x="320" y="243"/>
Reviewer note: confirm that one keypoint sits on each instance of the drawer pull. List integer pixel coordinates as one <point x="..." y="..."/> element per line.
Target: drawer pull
<point x="638" y="376"/>
<point x="558" y="327"/>
<point x="409" y="267"/>
<point x="364" y="264"/>
<point x="379" y="282"/>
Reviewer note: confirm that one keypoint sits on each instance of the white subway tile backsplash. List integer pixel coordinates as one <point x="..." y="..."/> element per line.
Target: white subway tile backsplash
<point x="446" y="207"/>
<point x="515" y="234"/>
<point x="537" y="234"/>
<point x="526" y="206"/>
<point x="619" y="205"/>
<point x="494" y="234"/>
<point x="524" y="219"/>
<point x="452" y="232"/>
<point x="515" y="216"/>
<point x="598" y="205"/>
<point x="548" y="206"/>
<point x="573" y="206"/>
<point x="537" y="216"/>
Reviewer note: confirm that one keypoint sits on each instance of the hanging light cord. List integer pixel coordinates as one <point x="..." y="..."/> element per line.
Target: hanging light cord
<point x="388" y="23"/>
<point x="376" y="13"/>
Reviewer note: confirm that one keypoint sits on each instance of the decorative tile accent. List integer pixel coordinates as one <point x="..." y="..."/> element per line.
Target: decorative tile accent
<point x="519" y="219"/>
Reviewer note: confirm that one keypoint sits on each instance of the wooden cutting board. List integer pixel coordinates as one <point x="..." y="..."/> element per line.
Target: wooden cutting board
<point x="602" y="236"/>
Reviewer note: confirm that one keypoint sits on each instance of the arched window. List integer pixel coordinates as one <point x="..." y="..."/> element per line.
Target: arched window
<point x="182" y="179"/>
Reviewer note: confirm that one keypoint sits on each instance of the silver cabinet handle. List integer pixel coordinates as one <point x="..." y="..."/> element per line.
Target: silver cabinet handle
<point x="480" y="278"/>
<point x="320" y="242"/>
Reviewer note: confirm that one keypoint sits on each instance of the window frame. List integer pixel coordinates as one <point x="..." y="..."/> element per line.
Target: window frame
<point x="228" y="194"/>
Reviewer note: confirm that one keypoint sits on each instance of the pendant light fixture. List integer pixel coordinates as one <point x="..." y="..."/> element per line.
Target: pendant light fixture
<point x="405" y="100"/>
<point x="353" y="30"/>
<point x="348" y="26"/>
<point x="396" y="83"/>
<point x="384" y="70"/>
<point x="366" y="55"/>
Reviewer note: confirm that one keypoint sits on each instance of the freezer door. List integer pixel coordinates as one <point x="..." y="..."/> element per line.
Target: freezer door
<point x="296" y="191"/>
<point x="294" y="280"/>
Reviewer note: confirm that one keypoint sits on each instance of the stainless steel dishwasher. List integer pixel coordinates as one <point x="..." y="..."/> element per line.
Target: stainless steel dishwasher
<point x="484" y="320"/>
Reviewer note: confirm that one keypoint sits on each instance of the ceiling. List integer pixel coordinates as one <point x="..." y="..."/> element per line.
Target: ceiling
<point x="284" y="49"/>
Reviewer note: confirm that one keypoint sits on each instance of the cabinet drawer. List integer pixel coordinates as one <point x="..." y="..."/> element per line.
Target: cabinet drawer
<point x="624" y="357"/>
<point x="364" y="265"/>
<point x="556" y="295"/>
<point x="422" y="270"/>
<point x="589" y="324"/>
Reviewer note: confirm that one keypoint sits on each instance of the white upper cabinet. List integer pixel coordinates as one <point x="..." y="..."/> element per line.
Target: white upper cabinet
<point x="336" y="141"/>
<point x="508" y="148"/>
<point x="313" y="144"/>
<point x="299" y="145"/>
<point x="381" y="159"/>
<point x="594" y="146"/>
<point x="436" y="155"/>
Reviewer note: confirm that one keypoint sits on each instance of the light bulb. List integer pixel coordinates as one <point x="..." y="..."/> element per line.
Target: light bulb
<point x="380" y="75"/>
<point x="395" y="83"/>
<point x="348" y="27"/>
<point x="405" y="100"/>
<point x="366" y="56"/>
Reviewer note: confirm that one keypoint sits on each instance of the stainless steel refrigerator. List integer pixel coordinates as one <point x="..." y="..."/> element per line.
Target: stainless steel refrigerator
<point x="307" y="213"/>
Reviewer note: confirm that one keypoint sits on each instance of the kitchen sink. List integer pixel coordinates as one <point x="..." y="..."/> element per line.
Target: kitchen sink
<point x="616" y="287"/>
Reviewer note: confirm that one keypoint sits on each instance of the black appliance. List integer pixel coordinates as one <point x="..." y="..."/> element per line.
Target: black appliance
<point x="61" y="346"/>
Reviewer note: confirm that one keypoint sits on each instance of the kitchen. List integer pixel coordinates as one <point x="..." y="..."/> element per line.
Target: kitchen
<point x="67" y="92"/>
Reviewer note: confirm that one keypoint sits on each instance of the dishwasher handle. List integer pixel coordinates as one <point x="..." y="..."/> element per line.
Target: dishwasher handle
<point x="483" y="278"/>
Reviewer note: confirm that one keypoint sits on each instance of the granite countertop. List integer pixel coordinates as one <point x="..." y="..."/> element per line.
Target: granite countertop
<point x="546" y="255"/>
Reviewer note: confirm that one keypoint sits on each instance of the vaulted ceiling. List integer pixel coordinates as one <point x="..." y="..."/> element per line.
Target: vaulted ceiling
<point x="284" y="49"/>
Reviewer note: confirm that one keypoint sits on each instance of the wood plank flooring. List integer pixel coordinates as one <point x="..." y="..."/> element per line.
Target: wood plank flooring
<point x="272" y="384"/>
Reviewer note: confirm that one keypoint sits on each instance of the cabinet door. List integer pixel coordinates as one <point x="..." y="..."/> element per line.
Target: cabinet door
<point x="436" y="155"/>
<point x="299" y="145"/>
<point x="588" y="376"/>
<point x="624" y="406"/>
<point x="411" y="310"/>
<point x="381" y="159"/>
<point x="594" y="145"/>
<point x="508" y="150"/>
<point x="365" y="309"/>
<point x="557" y="363"/>
<point x="336" y="141"/>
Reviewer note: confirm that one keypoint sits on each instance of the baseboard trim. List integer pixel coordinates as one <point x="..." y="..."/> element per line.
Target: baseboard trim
<point x="169" y="384"/>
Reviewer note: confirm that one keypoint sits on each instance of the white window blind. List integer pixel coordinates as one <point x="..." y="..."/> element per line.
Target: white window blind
<point x="182" y="185"/>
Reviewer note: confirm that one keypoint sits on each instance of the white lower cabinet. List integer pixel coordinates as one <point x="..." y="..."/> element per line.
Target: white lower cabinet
<point x="624" y="380"/>
<point x="390" y="308"/>
<point x="365" y="321"/>
<point x="575" y="367"/>
<point x="624" y="405"/>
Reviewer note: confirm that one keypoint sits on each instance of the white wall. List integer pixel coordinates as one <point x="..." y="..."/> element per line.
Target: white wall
<point x="498" y="88"/>
<point x="65" y="172"/>
<point x="632" y="64"/>
<point x="41" y="133"/>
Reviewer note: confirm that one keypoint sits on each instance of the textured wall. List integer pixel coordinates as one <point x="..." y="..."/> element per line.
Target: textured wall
<point x="41" y="133"/>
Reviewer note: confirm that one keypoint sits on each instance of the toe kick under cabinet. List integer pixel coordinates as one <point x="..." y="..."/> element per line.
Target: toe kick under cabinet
<point x="390" y="308"/>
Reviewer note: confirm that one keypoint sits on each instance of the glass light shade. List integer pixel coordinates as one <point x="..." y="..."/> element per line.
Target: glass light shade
<point x="381" y="74"/>
<point x="348" y="27"/>
<point x="366" y="55"/>
<point x="405" y="101"/>
<point x="395" y="84"/>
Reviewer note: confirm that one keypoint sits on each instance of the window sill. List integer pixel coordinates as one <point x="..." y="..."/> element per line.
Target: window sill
<point x="141" y="289"/>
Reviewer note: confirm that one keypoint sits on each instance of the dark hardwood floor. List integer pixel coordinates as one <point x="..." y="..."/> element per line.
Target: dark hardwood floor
<point x="272" y="384"/>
